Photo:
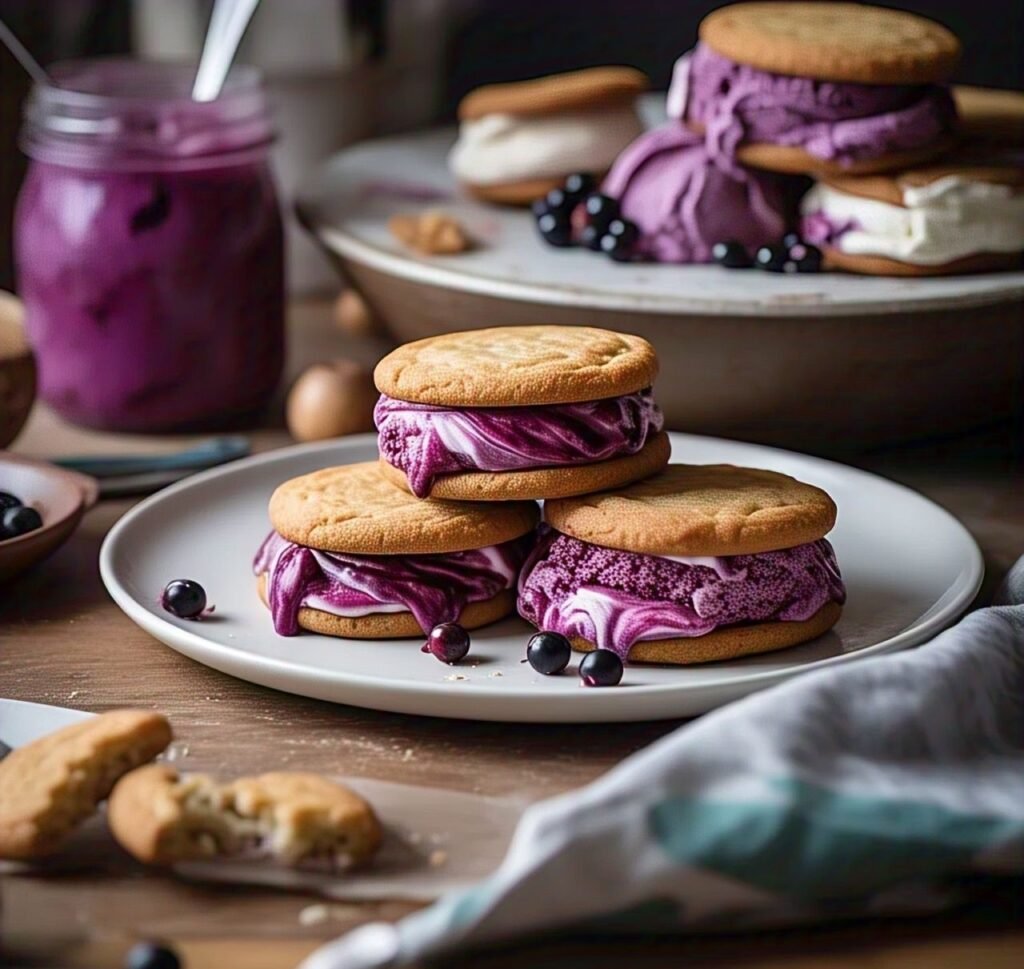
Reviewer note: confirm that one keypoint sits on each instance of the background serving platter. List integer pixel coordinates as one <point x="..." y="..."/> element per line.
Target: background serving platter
<point x="910" y="567"/>
<point x="746" y="354"/>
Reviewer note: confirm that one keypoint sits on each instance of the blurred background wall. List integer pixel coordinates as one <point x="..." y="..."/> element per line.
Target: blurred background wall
<point x="341" y="70"/>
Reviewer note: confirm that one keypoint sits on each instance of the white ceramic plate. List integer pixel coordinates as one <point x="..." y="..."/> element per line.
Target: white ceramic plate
<point x="22" y="722"/>
<point x="349" y="200"/>
<point x="910" y="568"/>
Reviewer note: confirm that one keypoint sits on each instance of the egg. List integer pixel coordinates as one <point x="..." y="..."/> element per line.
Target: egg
<point x="353" y="316"/>
<point x="330" y="400"/>
<point x="17" y="369"/>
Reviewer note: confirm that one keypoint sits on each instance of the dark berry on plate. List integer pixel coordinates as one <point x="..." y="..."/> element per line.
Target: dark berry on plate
<point x="771" y="258"/>
<point x="731" y="254"/>
<point x="7" y="500"/>
<point x="184" y="598"/>
<point x="539" y="207"/>
<point x="600" y="209"/>
<point x="602" y="667"/>
<point x="805" y="258"/>
<point x="19" y="520"/>
<point x="579" y="184"/>
<point x="555" y="229"/>
<point x="590" y="237"/>
<point x="150" y="955"/>
<point x="548" y="653"/>
<point x="619" y="239"/>
<point x="448" y="641"/>
<point x="558" y="201"/>
<point x="791" y="239"/>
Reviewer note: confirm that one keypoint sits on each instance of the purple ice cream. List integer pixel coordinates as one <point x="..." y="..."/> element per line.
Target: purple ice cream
<point x="683" y="201"/>
<point x="835" y="121"/>
<point x="425" y="441"/>
<point x="434" y="588"/>
<point x="615" y="598"/>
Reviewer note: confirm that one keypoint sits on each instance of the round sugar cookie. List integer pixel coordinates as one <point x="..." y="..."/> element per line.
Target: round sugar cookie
<point x="729" y="642"/>
<point x="989" y="116"/>
<point x="394" y="625"/>
<point x="833" y="41"/>
<point x="696" y="510"/>
<point x="572" y="91"/>
<point x="869" y="265"/>
<point x="517" y="366"/>
<point x="545" y="483"/>
<point x="354" y="508"/>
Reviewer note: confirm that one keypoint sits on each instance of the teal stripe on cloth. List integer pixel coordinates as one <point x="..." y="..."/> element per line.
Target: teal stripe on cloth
<point x="813" y="843"/>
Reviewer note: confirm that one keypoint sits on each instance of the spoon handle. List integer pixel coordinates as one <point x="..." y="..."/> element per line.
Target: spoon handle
<point x="227" y="26"/>
<point x="23" y="57"/>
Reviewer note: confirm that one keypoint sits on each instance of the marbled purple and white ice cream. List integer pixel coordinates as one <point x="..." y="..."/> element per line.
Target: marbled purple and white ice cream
<point x="434" y="588"/>
<point x="615" y="599"/>
<point x="426" y="441"/>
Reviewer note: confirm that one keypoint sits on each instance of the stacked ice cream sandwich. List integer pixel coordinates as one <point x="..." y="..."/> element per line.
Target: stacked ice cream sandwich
<point x="648" y="561"/>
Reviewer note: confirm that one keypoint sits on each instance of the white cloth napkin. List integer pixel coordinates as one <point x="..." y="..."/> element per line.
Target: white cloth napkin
<point x="864" y="788"/>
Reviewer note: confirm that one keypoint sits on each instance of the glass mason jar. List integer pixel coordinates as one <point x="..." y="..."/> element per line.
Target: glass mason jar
<point x="149" y="246"/>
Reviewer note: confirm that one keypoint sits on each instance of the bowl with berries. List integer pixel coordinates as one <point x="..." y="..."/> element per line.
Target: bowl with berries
<point x="40" y="506"/>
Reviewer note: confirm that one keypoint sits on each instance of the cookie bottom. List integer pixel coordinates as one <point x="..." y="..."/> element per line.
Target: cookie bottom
<point x="868" y="265"/>
<point x="791" y="160"/>
<point x="545" y="482"/>
<point x="730" y="642"/>
<point x="394" y="625"/>
<point x="517" y="193"/>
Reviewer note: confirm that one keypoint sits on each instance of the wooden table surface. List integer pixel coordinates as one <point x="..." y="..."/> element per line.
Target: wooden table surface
<point x="64" y="642"/>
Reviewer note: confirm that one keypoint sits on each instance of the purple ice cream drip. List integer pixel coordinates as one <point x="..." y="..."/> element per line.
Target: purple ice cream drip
<point x="684" y="201"/>
<point x="434" y="588"/>
<point x="837" y="121"/>
<point x="821" y="229"/>
<point x="425" y="441"/>
<point x="615" y="598"/>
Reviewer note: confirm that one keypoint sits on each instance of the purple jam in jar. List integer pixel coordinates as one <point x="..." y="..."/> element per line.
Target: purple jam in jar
<point x="149" y="246"/>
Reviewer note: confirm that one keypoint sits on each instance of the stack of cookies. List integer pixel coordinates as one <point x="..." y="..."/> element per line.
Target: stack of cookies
<point x="675" y="564"/>
<point x="909" y="180"/>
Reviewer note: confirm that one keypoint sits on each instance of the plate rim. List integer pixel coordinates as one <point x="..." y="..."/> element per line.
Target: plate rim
<point x="216" y="655"/>
<point x="312" y="193"/>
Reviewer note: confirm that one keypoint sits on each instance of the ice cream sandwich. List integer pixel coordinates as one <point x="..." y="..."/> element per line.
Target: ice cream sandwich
<point x="518" y="141"/>
<point x="962" y="214"/>
<point x="525" y="412"/>
<point x="352" y="555"/>
<point x="818" y="87"/>
<point x="695" y="564"/>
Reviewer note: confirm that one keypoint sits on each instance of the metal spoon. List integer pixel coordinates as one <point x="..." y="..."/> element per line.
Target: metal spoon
<point x="227" y="26"/>
<point x="24" y="58"/>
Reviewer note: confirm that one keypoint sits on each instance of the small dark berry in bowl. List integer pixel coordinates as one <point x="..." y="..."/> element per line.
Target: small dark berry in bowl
<point x="548" y="653"/>
<point x="601" y="667"/>
<point x="771" y="258"/>
<point x="579" y="184"/>
<point x="150" y="955"/>
<point x="19" y="520"/>
<point x="7" y="500"/>
<point x="600" y="209"/>
<point x="555" y="229"/>
<point x="731" y="254"/>
<point x="184" y="598"/>
<point x="448" y="642"/>
<point x="791" y="239"/>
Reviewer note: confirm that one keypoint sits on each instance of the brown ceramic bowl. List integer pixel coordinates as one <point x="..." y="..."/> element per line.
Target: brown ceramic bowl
<point x="17" y="370"/>
<point x="61" y="497"/>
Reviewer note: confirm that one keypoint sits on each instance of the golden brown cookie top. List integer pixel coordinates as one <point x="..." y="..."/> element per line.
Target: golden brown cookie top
<point x="833" y="41"/>
<point x="355" y="509"/>
<point x="689" y="509"/>
<point x="53" y="783"/>
<point x="988" y="116"/>
<point x="573" y="91"/>
<point x="518" y="366"/>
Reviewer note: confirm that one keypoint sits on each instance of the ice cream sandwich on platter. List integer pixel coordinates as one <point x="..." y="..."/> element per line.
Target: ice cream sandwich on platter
<point x="698" y="563"/>
<point x="526" y="412"/>
<point x="819" y="86"/>
<point x="519" y="140"/>
<point x="351" y="555"/>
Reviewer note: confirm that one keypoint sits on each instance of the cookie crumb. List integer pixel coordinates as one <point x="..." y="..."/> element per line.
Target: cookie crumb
<point x="437" y="858"/>
<point x="408" y="755"/>
<point x="496" y="673"/>
<point x="433" y="233"/>
<point x="453" y="677"/>
<point x="320" y="913"/>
